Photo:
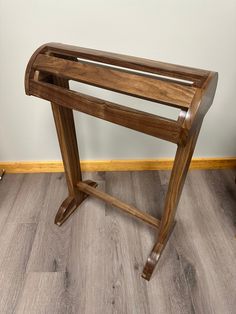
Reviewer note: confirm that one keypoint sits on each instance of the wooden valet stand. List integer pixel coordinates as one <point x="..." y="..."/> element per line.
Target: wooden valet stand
<point x="190" y="90"/>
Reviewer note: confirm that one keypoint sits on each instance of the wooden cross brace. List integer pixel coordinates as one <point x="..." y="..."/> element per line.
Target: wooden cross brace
<point x="190" y="90"/>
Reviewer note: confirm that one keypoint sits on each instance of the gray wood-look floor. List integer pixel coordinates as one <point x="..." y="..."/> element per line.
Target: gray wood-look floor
<point x="92" y="264"/>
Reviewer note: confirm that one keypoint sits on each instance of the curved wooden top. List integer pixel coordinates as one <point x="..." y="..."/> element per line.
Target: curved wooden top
<point x="191" y="90"/>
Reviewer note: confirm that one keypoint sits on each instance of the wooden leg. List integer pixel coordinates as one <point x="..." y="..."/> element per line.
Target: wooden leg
<point x="64" y="122"/>
<point x="65" y="126"/>
<point x="2" y="172"/>
<point x="180" y="168"/>
<point x="69" y="206"/>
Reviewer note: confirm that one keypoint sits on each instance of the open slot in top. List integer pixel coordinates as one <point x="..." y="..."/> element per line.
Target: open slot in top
<point x="123" y="81"/>
<point x="198" y="76"/>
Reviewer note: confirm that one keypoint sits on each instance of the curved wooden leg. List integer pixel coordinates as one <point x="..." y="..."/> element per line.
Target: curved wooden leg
<point x="180" y="168"/>
<point x="65" y="127"/>
<point x="2" y="172"/>
<point x="69" y="206"/>
<point x="155" y="256"/>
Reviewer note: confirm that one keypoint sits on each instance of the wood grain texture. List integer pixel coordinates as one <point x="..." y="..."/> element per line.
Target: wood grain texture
<point x="49" y="294"/>
<point x="140" y="64"/>
<point x="47" y="76"/>
<point x="86" y="188"/>
<point x="12" y="284"/>
<point x="84" y="271"/>
<point x="61" y="62"/>
<point x="64" y="122"/>
<point x="70" y="204"/>
<point x="2" y="172"/>
<point x="118" y="165"/>
<point x="16" y="240"/>
<point x="137" y="120"/>
<point x="7" y="200"/>
<point x="28" y="203"/>
<point x="123" y="279"/>
<point x="46" y="269"/>
<point x="134" y="84"/>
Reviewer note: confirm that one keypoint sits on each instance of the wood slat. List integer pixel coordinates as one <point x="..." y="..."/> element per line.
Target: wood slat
<point x="138" y="85"/>
<point x="115" y="202"/>
<point x="134" y="119"/>
<point x="198" y="76"/>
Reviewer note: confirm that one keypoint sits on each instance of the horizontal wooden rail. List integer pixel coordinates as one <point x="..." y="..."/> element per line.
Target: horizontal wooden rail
<point x="198" y="76"/>
<point x="84" y="187"/>
<point x="134" y="84"/>
<point x="144" y="122"/>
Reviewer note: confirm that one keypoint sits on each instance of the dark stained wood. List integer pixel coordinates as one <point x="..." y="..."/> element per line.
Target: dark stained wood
<point x="69" y="206"/>
<point x="47" y="75"/>
<point x="166" y="69"/>
<point x="88" y="189"/>
<point x="201" y="103"/>
<point x="2" y="171"/>
<point x="134" y="84"/>
<point x="65" y="126"/>
<point x="29" y="74"/>
<point x="65" y="129"/>
<point x="144" y="122"/>
<point x="180" y="168"/>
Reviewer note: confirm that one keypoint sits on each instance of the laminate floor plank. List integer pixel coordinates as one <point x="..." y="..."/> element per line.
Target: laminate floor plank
<point x="44" y="293"/>
<point x="11" y="284"/>
<point x="215" y="247"/>
<point x="56" y="192"/>
<point x="16" y="242"/>
<point x="124" y="251"/>
<point x="9" y="189"/>
<point x="92" y="263"/>
<point x="51" y="244"/>
<point x="222" y="190"/>
<point x="169" y="293"/>
<point x="87" y="260"/>
<point x="29" y="200"/>
<point x="50" y="248"/>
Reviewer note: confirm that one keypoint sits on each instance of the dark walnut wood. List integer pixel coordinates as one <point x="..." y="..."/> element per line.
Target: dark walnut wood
<point x="2" y="172"/>
<point x="70" y="204"/>
<point x="90" y="190"/>
<point x="138" y="85"/>
<point x="144" y="122"/>
<point x="191" y="90"/>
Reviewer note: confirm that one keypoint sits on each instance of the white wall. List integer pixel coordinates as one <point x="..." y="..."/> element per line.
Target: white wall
<point x="194" y="33"/>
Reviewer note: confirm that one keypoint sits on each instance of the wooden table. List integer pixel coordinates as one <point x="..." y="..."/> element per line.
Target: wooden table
<point x="191" y="90"/>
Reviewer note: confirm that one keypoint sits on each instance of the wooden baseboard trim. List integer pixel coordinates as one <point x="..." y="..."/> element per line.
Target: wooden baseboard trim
<point x="116" y="165"/>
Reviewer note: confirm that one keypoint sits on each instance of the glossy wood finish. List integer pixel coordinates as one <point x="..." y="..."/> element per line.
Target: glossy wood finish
<point x="197" y="76"/>
<point x="64" y="122"/>
<point x="177" y="179"/>
<point x="144" y="122"/>
<point x="87" y="188"/>
<point x="2" y="172"/>
<point x="134" y="84"/>
<point x="191" y="90"/>
<point x="69" y="206"/>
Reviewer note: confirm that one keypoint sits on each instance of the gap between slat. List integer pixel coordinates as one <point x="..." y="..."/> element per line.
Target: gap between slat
<point x="137" y="85"/>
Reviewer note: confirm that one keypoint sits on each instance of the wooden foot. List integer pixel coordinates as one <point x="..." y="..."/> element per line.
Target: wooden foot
<point x="2" y="172"/>
<point x="155" y="256"/>
<point x="70" y="204"/>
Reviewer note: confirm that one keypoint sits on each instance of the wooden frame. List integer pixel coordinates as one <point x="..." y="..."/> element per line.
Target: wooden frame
<point x="2" y="171"/>
<point x="191" y="90"/>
